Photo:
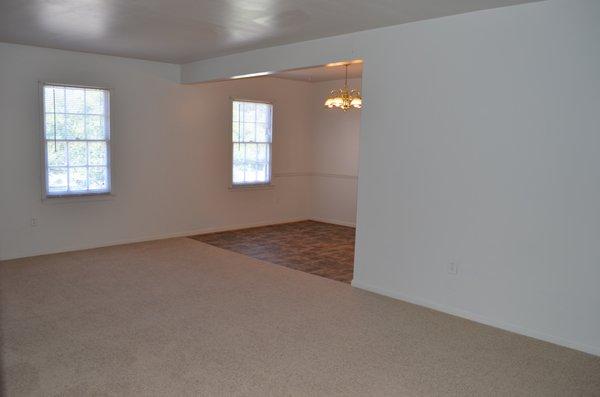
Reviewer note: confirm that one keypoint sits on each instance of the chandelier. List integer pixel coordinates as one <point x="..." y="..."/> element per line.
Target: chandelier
<point x="344" y="98"/>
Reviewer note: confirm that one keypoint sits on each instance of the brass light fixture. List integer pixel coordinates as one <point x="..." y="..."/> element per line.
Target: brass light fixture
<point x="344" y="98"/>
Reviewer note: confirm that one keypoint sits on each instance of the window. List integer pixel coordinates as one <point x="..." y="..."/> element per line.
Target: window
<point x="76" y="140"/>
<point x="252" y="137"/>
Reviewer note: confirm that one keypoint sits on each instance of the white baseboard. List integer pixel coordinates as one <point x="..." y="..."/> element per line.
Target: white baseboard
<point x="162" y="236"/>
<point x="478" y="318"/>
<point x="333" y="221"/>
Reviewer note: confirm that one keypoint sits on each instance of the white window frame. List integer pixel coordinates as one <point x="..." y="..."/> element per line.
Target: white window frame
<point x="261" y="185"/>
<point x="44" y="141"/>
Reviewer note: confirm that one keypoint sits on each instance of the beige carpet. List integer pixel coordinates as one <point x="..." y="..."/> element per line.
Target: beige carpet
<point x="179" y="317"/>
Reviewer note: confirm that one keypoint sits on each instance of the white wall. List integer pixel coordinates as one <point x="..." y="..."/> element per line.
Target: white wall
<point x="335" y="138"/>
<point x="170" y="154"/>
<point x="479" y="144"/>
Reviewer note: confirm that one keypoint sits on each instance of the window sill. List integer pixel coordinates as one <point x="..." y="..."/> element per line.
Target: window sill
<point x="266" y="186"/>
<point x="83" y="198"/>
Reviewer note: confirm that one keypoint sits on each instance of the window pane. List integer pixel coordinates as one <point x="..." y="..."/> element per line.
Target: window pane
<point x="75" y="126"/>
<point x="262" y="133"/>
<point x="94" y="101"/>
<point x="261" y="172"/>
<point x="77" y="153"/>
<point x="250" y="176"/>
<point x="97" y="153"/>
<point x="54" y="99"/>
<point x="238" y="153"/>
<point x="56" y="153"/>
<point x="57" y="179"/>
<point x="262" y="153"/>
<point x="251" y="152"/>
<point x="55" y="123"/>
<point x="74" y="100"/>
<point x="94" y="127"/>
<point x="249" y="132"/>
<point x="249" y="112"/>
<point x="49" y="98"/>
<point x="78" y="178"/>
<point x="262" y="112"/>
<point x="98" y="178"/>
<point x="238" y="173"/>
<point x="236" y="111"/>
<point x="236" y="131"/>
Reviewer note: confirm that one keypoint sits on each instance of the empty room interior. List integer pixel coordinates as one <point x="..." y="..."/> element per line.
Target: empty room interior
<point x="300" y="198"/>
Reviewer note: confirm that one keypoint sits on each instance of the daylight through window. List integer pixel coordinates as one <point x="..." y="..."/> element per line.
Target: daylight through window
<point x="76" y="140"/>
<point x="252" y="138"/>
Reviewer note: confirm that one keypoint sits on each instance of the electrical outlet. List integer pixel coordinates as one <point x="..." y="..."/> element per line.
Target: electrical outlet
<point x="34" y="222"/>
<point x="453" y="268"/>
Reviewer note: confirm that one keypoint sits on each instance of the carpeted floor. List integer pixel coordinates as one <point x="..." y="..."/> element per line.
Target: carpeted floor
<point x="180" y="317"/>
<point x="318" y="248"/>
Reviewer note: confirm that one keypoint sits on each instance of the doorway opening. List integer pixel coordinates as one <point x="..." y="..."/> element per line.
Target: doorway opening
<point x="306" y="213"/>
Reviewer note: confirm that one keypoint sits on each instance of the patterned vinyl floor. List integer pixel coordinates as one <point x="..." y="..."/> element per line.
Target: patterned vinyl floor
<point x="314" y="247"/>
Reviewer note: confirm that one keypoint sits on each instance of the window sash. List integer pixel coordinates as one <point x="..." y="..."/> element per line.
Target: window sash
<point x="254" y="169"/>
<point x="102" y="171"/>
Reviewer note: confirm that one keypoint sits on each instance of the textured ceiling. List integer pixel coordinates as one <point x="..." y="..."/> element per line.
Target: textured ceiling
<point x="182" y="31"/>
